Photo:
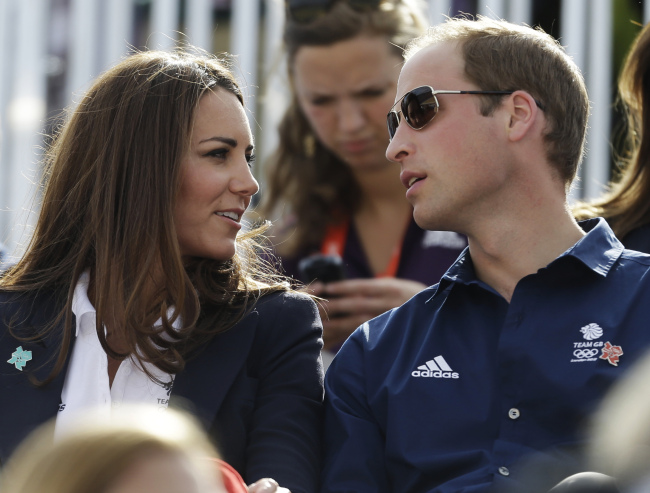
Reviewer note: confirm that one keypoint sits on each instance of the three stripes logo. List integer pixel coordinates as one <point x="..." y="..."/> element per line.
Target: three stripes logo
<point x="436" y="368"/>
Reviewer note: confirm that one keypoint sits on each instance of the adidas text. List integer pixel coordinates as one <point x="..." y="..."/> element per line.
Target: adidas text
<point x="435" y="368"/>
<point x="434" y="374"/>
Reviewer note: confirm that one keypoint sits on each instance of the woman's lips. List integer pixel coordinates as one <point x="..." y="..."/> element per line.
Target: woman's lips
<point x="356" y="146"/>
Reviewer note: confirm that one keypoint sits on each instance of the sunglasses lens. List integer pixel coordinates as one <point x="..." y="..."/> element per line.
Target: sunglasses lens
<point x="418" y="106"/>
<point x="393" y="122"/>
<point x="417" y="114"/>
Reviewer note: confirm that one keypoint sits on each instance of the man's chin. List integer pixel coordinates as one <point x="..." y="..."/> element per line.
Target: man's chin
<point x="425" y="221"/>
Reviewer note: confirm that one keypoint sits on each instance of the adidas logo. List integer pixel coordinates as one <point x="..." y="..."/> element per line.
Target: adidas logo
<point x="436" y="368"/>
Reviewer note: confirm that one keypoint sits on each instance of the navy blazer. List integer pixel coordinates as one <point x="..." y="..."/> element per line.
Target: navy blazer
<point x="258" y="387"/>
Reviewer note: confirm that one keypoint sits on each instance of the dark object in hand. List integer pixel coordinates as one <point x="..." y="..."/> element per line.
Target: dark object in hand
<point x="323" y="268"/>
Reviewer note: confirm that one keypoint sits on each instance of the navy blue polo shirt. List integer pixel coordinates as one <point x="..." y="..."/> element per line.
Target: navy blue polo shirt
<point x="457" y="390"/>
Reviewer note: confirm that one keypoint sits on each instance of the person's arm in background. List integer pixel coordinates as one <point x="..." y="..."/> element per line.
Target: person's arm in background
<point x="352" y="302"/>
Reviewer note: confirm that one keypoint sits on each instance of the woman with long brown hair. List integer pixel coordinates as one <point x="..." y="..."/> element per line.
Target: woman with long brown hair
<point x="627" y="204"/>
<point x="139" y="284"/>
<point x="329" y="181"/>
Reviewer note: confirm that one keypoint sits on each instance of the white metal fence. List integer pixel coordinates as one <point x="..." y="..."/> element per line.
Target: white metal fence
<point x="78" y="39"/>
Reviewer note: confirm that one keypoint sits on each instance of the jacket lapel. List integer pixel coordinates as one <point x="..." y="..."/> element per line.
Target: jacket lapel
<point x="208" y="376"/>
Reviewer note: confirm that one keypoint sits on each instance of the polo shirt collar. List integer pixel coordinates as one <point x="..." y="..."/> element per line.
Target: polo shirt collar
<point x="598" y="250"/>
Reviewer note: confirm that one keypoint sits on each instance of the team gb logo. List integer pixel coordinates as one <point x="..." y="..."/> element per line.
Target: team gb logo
<point x="591" y="331"/>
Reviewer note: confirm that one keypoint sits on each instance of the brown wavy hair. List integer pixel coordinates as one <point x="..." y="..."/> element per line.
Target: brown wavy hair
<point x="627" y="205"/>
<point x="112" y="176"/>
<point x="500" y="56"/>
<point x="317" y="187"/>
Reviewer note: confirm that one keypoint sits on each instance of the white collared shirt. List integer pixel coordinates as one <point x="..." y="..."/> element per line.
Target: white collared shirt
<point x="86" y="386"/>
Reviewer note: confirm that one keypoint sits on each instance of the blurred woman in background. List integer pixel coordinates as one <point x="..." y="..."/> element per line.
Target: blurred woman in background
<point x="329" y="182"/>
<point x="627" y="204"/>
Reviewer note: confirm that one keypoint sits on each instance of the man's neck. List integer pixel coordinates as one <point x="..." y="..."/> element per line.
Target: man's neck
<point x="511" y="250"/>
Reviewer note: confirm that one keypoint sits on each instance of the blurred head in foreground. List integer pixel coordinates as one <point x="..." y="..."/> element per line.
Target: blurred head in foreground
<point x="620" y="444"/>
<point x="137" y="451"/>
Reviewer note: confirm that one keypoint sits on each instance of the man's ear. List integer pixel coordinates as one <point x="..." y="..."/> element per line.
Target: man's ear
<point x="523" y="114"/>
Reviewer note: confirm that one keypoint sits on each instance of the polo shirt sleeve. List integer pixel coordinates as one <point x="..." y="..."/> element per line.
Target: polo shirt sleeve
<point x="353" y="441"/>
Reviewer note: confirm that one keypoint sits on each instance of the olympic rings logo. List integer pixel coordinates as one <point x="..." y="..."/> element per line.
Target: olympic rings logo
<point x="585" y="353"/>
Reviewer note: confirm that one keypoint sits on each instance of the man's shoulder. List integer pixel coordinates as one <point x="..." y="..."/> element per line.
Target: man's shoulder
<point x="640" y="258"/>
<point x="399" y="322"/>
<point x="632" y="267"/>
<point x="387" y="346"/>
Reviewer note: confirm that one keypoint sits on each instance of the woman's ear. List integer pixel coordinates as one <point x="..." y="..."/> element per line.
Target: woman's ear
<point x="523" y="114"/>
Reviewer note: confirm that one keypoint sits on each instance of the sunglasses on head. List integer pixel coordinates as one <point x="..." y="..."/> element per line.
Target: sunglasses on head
<point x="420" y="105"/>
<point x="305" y="11"/>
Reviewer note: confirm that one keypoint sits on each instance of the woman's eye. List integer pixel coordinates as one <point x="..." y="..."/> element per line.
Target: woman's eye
<point x="321" y="100"/>
<point x="373" y="93"/>
<point x="250" y="160"/>
<point x="218" y="153"/>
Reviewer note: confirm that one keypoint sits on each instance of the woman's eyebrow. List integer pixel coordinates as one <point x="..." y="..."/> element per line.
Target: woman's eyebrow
<point x="225" y="140"/>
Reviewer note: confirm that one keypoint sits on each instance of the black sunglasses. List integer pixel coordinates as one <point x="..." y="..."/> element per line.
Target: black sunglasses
<point x="420" y="105"/>
<point x="305" y="11"/>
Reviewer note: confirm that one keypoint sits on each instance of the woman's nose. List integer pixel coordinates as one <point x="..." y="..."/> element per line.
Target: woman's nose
<point x="351" y="116"/>
<point x="244" y="183"/>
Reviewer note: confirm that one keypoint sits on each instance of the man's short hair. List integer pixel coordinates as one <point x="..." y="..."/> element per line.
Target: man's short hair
<point x="503" y="56"/>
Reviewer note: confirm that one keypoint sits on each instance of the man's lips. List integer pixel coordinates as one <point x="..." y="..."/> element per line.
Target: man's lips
<point x="408" y="178"/>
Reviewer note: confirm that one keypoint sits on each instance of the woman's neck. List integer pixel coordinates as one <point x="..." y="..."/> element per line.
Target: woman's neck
<point x="382" y="217"/>
<point x="381" y="191"/>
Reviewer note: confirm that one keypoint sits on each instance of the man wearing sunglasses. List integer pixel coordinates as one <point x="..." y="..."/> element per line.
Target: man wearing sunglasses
<point x="485" y="381"/>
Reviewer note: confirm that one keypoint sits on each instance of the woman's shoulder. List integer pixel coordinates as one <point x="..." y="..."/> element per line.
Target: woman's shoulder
<point x="23" y="305"/>
<point x="13" y="300"/>
<point x="284" y="316"/>
<point x="288" y="329"/>
<point x="286" y="301"/>
<point x="15" y="297"/>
